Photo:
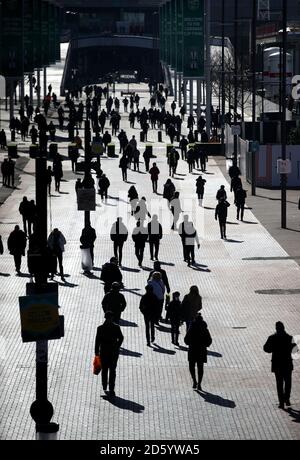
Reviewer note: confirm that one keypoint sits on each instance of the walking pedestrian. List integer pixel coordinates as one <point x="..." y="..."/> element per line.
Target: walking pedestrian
<point x="109" y="339"/>
<point x="114" y="301"/>
<point x="221" y="214"/>
<point x="88" y="238"/>
<point x="200" y="184"/>
<point x="155" y="233"/>
<point x="191" y="305"/>
<point x="154" y="173"/>
<point x="159" y="291"/>
<point x="49" y="174"/>
<point x="111" y="273"/>
<point x="240" y="199"/>
<point x="56" y="242"/>
<point x="174" y="314"/>
<point x="149" y="307"/>
<point x="118" y="235"/>
<point x="16" y="245"/>
<point x="104" y="185"/>
<point x="169" y="190"/>
<point x="24" y="211"/>
<point x="281" y="346"/>
<point x="139" y="237"/>
<point x="133" y="198"/>
<point x="175" y="207"/>
<point x="198" y="339"/>
<point x="221" y="194"/>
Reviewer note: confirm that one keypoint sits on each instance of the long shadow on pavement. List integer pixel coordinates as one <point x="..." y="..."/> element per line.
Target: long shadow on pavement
<point x="128" y="269"/>
<point x="133" y="291"/>
<point x="125" y="323"/>
<point x="228" y="240"/>
<point x="214" y="354"/>
<point x="5" y="274"/>
<point x="165" y="351"/>
<point x="216" y="399"/>
<point x="295" y="414"/>
<point x="125" y="404"/>
<point x="134" y="354"/>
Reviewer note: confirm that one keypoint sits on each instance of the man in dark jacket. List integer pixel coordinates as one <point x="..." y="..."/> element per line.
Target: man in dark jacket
<point x="139" y="237"/>
<point x="109" y="339"/>
<point x="118" y="235"/>
<point x="198" y="339"/>
<point x="104" y="184"/>
<point x="16" y="245"/>
<point x="221" y="214"/>
<point x="280" y="345"/>
<point x="111" y="273"/>
<point x="114" y="301"/>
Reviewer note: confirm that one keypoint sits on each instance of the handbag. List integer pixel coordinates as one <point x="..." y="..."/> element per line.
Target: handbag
<point x="97" y="365"/>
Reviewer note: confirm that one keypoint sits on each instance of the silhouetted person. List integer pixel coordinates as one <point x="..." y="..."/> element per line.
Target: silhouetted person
<point x="159" y="291"/>
<point x="24" y="211"/>
<point x="109" y="339"/>
<point x="169" y="190"/>
<point x="221" y="214"/>
<point x="221" y="193"/>
<point x="281" y="346"/>
<point x="191" y="305"/>
<point x="104" y="184"/>
<point x="154" y="173"/>
<point x="56" y="242"/>
<point x="114" y="301"/>
<point x="175" y="207"/>
<point x="164" y="276"/>
<point x="174" y="314"/>
<point x="155" y="235"/>
<point x="198" y="339"/>
<point x="16" y="245"/>
<point x="240" y="199"/>
<point x="235" y="184"/>
<point x="88" y="238"/>
<point x="149" y="307"/>
<point x="118" y="235"/>
<point x="200" y="184"/>
<point x="111" y="273"/>
<point x="139" y="237"/>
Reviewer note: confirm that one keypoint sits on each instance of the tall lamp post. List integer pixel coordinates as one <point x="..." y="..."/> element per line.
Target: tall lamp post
<point x="235" y="76"/>
<point x="283" y="114"/>
<point x="253" y="50"/>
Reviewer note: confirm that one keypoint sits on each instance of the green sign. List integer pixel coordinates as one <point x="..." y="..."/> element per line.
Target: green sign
<point x="179" y="36"/>
<point x="12" y="38"/>
<point x="193" y="39"/>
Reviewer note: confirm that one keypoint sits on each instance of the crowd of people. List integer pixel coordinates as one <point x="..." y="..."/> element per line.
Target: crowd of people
<point x="102" y="109"/>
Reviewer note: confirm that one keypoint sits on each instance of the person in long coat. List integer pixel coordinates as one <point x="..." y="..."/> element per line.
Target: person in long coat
<point x="109" y="339"/>
<point x="191" y="305"/>
<point x="198" y="340"/>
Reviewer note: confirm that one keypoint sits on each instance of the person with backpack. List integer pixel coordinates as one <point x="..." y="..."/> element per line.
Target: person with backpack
<point x="221" y="214"/>
<point x="104" y="184"/>
<point x="114" y="301"/>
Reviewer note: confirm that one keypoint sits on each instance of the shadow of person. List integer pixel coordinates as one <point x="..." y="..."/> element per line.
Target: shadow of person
<point x="168" y="264"/>
<point x="295" y="414"/>
<point x="215" y="354"/>
<point x="248" y="222"/>
<point x="216" y="400"/>
<point x="5" y="274"/>
<point x="134" y="354"/>
<point x="228" y="240"/>
<point x="91" y="276"/>
<point x="165" y="351"/>
<point x="125" y="404"/>
<point x="128" y="269"/>
<point x="183" y="348"/>
<point x="163" y="328"/>
<point x="132" y="291"/>
<point x="125" y="323"/>
<point x="66" y="284"/>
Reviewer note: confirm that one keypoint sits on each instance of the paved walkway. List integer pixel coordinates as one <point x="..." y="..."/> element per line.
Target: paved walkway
<point x="247" y="284"/>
